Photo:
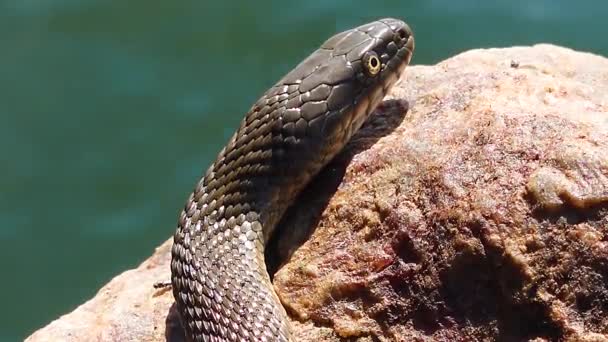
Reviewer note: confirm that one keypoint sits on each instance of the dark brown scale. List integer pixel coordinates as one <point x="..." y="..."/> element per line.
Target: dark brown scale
<point x="220" y="283"/>
<point x="311" y="110"/>
<point x="294" y="102"/>
<point x="319" y="93"/>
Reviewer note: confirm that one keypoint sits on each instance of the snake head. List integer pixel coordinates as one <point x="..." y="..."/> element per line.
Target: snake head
<point x="341" y="83"/>
<point x="308" y="116"/>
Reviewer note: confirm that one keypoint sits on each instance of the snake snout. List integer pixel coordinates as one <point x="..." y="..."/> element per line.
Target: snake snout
<point x="404" y="36"/>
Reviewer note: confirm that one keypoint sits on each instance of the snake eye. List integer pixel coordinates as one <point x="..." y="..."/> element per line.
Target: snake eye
<point x="372" y="63"/>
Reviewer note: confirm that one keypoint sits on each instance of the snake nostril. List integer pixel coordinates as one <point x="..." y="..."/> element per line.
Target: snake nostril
<point x="401" y="37"/>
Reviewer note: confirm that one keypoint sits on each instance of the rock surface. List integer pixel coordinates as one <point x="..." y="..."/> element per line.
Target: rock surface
<point x="480" y="214"/>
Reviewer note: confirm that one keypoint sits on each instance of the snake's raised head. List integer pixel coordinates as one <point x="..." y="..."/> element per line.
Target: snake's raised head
<point x="345" y="79"/>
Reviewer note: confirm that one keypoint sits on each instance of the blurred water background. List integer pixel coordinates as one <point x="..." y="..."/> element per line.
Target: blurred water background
<point x="111" y="109"/>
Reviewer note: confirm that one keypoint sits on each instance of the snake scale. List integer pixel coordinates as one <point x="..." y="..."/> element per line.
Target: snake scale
<point x="219" y="277"/>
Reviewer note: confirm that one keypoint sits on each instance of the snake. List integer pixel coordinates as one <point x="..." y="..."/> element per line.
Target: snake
<point x="219" y="279"/>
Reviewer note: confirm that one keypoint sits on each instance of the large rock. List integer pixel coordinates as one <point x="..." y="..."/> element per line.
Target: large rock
<point x="480" y="214"/>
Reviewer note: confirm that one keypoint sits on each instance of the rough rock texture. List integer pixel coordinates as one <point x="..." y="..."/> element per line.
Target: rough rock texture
<point x="481" y="213"/>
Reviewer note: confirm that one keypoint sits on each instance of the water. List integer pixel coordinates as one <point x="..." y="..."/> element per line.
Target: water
<point x="110" y="110"/>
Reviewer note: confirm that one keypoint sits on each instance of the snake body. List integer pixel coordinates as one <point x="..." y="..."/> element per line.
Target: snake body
<point x="219" y="278"/>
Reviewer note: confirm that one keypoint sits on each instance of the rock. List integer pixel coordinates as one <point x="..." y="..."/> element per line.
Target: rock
<point x="128" y="308"/>
<point x="480" y="214"/>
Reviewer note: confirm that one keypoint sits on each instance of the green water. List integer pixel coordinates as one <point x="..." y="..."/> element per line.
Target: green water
<point x="110" y="110"/>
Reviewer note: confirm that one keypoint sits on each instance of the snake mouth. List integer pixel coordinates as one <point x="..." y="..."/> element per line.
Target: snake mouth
<point x="400" y="60"/>
<point x="405" y="54"/>
<point x="406" y="33"/>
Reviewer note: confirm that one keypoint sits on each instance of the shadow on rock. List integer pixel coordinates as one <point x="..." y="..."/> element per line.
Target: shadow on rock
<point x="300" y="220"/>
<point x="173" y="327"/>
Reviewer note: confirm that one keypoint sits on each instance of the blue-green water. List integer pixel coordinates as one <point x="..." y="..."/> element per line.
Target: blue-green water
<point x="111" y="109"/>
